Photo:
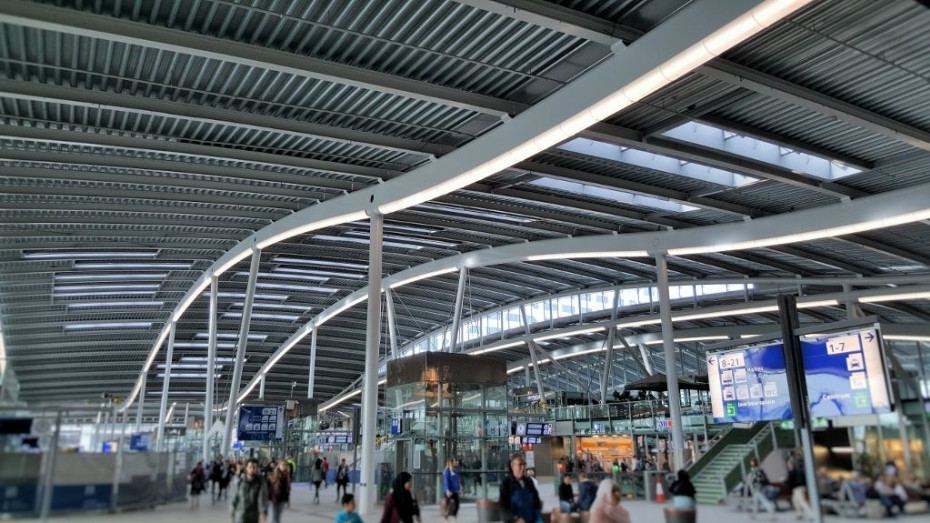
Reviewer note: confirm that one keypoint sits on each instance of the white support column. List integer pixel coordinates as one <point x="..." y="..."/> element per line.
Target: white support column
<point x="392" y="321"/>
<point x="368" y="494"/>
<point x="605" y="378"/>
<point x="163" y="408"/>
<point x="532" y="346"/>
<point x="240" y="350"/>
<point x="261" y="388"/>
<point x="311" y="378"/>
<point x="647" y="359"/>
<point x="141" y="403"/>
<point x="211" y="368"/>
<point x="671" y="371"/>
<point x="457" y="311"/>
<point x="187" y="411"/>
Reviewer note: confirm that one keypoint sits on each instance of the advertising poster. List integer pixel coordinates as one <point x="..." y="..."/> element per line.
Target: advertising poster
<point x="261" y="423"/>
<point x="749" y="384"/>
<point x="845" y="374"/>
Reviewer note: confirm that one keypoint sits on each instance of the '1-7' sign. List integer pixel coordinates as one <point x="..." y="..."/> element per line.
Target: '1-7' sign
<point x="844" y="344"/>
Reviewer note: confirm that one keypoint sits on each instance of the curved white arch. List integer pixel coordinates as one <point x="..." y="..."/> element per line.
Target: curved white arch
<point x="693" y="36"/>
<point x="865" y="214"/>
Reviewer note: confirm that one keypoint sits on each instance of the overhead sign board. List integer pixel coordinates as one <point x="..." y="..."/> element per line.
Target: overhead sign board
<point x="846" y="374"/>
<point x="397" y="426"/>
<point x="140" y="442"/>
<point x="749" y="384"/>
<point x="261" y="423"/>
<point x="538" y="429"/>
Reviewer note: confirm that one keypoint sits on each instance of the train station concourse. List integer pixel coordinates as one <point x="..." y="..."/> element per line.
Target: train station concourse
<point x="478" y="260"/>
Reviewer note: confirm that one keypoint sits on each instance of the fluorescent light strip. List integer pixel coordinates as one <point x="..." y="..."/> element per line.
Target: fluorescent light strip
<point x="113" y="276"/>
<point x="106" y="287"/>
<point x="596" y="254"/>
<point x="114" y="304"/>
<point x="87" y="254"/>
<point x="499" y="347"/>
<point x="819" y="303"/>
<point x="188" y="376"/>
<point x="403" y="238"/>
<point x="201" y="345"/>
<point x="318" y="272"/>
<point x="109" y="325"/>
<point x="204" y="359"/>
<point x="423" y="277"/>
<point x="895" y="297"/>
<point x="320" y="263"/>
<point x="719" y="313"/>
<point x="288" y="276"/>
<point x="241" y="296"/>
<point x="364" y="241"/>
<point x="569" y="334"/>
<point x="263" y="316"/>
<point x="639" y="323"/>
<point x="230" y="336"/>
<point x="275" y="306"/>
<point x="102" y="294"/>
<point x="152" y="265"/>
<point x="312" y="226"/>
<point x="189" y="365"/>
<point x="299" y="288"/>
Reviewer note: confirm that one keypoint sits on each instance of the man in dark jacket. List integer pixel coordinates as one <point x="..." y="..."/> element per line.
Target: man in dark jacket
<point x="587" y="491"/>
<point x="250" y="503"/>
<point x="519" y="500"/>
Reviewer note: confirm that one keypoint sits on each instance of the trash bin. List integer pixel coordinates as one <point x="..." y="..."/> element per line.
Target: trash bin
<point x="488" y="511"/>
<point x="676" y="515"/>
<point x="649" y="484"/>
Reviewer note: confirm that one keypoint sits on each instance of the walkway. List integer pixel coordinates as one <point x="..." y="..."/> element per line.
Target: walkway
<point x="304" y="511"/>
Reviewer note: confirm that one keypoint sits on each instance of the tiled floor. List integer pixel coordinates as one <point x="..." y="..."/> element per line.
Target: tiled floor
<point x="304" y="511"/>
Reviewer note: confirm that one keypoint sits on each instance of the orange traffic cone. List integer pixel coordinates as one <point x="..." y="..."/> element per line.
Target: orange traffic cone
<point x="660" y="492"/>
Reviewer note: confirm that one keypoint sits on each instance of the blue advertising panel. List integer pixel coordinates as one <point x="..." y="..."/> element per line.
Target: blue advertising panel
<point x="396" y="426"/>
<point x="749" y="384"/>
<point x="261" y="423"/>
<point x="139" y="442"/>
<point x="845" y="374"/>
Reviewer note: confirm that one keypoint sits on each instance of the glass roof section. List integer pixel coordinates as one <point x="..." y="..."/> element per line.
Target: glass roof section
<point x="657" y="162"/>
<point x="612" y="195"/>
<point x="761" y="150"/>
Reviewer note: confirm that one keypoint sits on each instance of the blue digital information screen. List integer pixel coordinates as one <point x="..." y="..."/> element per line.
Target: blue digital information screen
<point x="845" y="374"/>
<point x="140" y="442"/>
<point x="261" y="423"/>
<point x="749" y="384"/>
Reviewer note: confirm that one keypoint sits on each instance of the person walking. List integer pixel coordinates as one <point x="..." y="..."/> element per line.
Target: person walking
<point x="587" y="492"/>
<point x="452" y="486"/>
<point x="280" y="490"/>
<point x="325" y="466"/>
<point x="566" y="495"/>
<point x="342" y="479"/>
<point x="606" y="507"/>
<point x="215" y="473"/>
<point x="250" y="502"/>
<point x="198" y="482"/>
<point x="683" y="491"/>
<point x="348" y="514"/>
<point x="519" y="500"/>
<point x="316" y="477"/>
<point x="400" y="506"/>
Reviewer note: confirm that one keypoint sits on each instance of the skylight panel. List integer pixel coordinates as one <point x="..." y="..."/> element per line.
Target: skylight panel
<point x="264" y="316"/>
<point x="109" y="325"/>
<point x="657" y="162"/>
<point x="611" y="194"/>
<point x="761" y="150"/>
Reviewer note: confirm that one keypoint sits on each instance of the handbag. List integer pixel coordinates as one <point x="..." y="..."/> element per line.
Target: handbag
<point x="444" y="507"/>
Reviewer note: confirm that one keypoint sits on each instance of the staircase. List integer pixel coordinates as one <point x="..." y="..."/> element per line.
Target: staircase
<point x="724" y="465"/>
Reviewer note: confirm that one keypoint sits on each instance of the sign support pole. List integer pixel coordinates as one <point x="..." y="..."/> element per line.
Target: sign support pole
<point x="797" y="391"/>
